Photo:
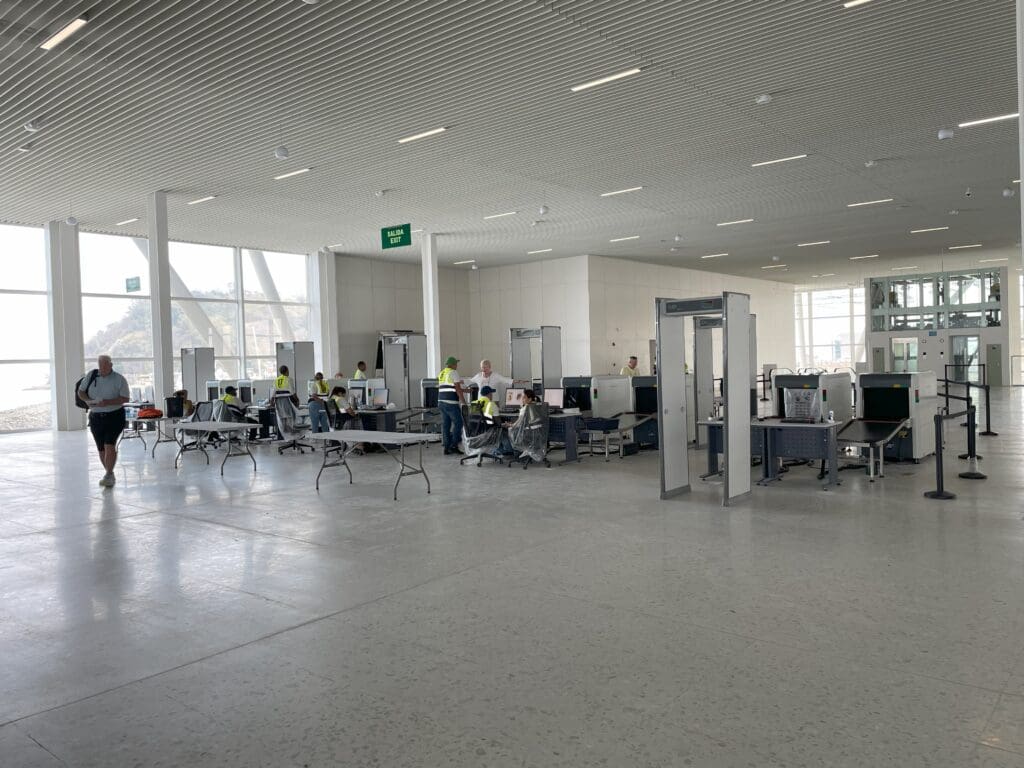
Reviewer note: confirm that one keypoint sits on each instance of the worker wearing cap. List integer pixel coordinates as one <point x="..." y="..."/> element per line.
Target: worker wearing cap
<point x="449" y="400"/>
<point x="487" y="406"/>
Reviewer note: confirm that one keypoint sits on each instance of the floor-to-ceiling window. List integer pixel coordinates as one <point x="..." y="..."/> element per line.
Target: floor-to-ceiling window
<point x="25" y="386"/>
<point x="276" y="306"/>
<point x="829" y="328"/>
<point x="117" y="315"/>
<point x="204" y="305"/>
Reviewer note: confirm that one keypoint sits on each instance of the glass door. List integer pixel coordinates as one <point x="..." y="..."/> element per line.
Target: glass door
<point x="904" y="355"/>
<point x="966" y="357"/>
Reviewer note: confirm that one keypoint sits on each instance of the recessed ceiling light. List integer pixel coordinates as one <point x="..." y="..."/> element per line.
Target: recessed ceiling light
<point x="714" y="255"/>
<point x="817" y="242"/>
<point x="780" y="160"/>
<point x="423" y="135"/>
<point x="202" y="199"/>
<point x="292" y="173"/>
<point x="987" y="120"/>
<point x="25" y="147"/>
<point x="499" y="215"/>
<point x="126" y="221"/>
<point x="929" y="229"/>
<point x="603" y="80"/>
<point x="64" y="34"/>
<point x="774" y="266"/>
<point x="460" y="263"/>
<point x="960" y="247"/>
<point x="869" y="202"/>
<point x="854" y="3"/>
<point x="897" y="269"/>
<point x="337" y="245"/>
<point x="858" y="258"/>
<point x="1016" y="181"/>
<point x="730" y="223"/>
<point x="415" y="231"/>
<point x="827" y="274"/>
<point x="620" y="239"/>
<point x="989" y="261"/>
<point x="621" y="191"/>
<point x="542" y="250"/>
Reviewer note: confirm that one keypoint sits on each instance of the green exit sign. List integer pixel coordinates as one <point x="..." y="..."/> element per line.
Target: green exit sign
<point x="132" y="284"/>
<point x="396" y="237"/>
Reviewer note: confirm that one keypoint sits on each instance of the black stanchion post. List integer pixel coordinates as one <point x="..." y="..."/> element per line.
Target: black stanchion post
<point x="940" y="491"/>
<point x="988" y="415"/>
<point x="972" y="472"/>
<point x="967" y="391"/>
<point x="971" y="430"/>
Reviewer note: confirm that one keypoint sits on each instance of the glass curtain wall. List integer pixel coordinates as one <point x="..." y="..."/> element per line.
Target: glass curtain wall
<point x="275" y="307"/>
<point x="830" y="328"/>
<point x="25" y="386"/>
<point x="117" y="317"/>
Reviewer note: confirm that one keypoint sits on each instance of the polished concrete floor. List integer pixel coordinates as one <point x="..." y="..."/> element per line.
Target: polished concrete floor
<point x="561" y="617"/>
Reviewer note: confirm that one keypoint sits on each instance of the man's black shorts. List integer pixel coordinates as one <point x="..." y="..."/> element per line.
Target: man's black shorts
<point x="106" y="427"/>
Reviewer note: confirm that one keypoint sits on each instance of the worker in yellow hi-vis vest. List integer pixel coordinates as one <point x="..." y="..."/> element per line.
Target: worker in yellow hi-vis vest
<point x="449" y="400"/>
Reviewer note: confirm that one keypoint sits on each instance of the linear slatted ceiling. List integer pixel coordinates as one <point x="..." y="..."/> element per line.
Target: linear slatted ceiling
<point x="192" y="97"/>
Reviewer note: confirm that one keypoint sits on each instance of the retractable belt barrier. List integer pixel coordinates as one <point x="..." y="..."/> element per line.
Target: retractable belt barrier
<point x="972" y="473"/>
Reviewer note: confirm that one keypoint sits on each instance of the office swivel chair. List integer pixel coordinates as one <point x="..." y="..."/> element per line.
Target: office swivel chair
<point x="529" y="436"/>
<point x="482" y="440"/>
<point x="190" y="440"/>
<point x="288" y="427"/>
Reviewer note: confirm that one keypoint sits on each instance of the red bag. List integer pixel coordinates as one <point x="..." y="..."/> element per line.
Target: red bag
<point x="150" y="413"/>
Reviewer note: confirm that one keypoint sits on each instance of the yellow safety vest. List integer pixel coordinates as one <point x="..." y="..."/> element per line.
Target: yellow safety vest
<point x="358" y="375"/>
<point x="489" y="409"/>
<point x="320" y="386"/>
<point x="283" y="382"/>
<point x="446" y="385"/>
<point x="228" y="399"/>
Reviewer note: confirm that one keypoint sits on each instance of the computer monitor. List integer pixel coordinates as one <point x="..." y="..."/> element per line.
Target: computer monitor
<point x="357" y="395"/>
<point x="212" y="390"/>
<point x="554" y="397"/>
<point x="380" y="397"/>
<point x="513" y="396"/>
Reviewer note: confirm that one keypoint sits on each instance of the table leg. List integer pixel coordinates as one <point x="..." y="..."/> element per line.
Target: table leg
<point x="342" y="461"/>
<point x="833" y="457"/>
<point x="881" y="460"/>
<point x="871" y="463"/>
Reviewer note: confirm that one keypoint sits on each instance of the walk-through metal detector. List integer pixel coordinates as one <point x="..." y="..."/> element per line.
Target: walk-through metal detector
<point x="405" y="364"/>
<point x="704" y="368"/>
<point x="536" y="354"/>
<point x="671" y="314"/>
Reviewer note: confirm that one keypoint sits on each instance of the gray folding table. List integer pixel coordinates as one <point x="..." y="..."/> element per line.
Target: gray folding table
<point x="388" y="441"/>
<point x="229" y="429"/>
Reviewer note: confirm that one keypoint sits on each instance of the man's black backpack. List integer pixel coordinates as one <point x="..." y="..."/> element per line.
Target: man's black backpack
<point x="78" y="386"/>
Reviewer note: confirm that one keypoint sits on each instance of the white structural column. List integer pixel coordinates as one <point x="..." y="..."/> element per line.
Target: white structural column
<point x="64" y="283"/>
<point x="431" y="303"/>
<point x="1020" y="109"/>
<point x="323" y="276"/>
<point x="160" y="295"/>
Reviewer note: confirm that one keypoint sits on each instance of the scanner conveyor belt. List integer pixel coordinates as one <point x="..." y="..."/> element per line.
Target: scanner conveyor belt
<point x="863" y="431"/>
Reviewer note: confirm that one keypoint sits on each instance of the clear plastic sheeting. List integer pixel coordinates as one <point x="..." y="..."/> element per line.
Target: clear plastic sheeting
<point x="484" y="443"/>
<point x="529" y="434"/>
<point x="803" y="404"/>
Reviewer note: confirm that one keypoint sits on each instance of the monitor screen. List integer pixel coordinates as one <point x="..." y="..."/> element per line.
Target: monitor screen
<point x="380" y="397"/>
<point x="513" y="396"/>
<point x="553" y="397"/>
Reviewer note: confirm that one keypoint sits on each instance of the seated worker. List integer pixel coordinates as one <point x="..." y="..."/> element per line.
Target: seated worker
<point x="283" y="383"/>
<point x="489" y="409"/>
<point x="187" y="406"/>
<point x="235" y="409"/>
<point x="318" y="416"/>
<point x="344" y="411"/>
<point x="629" y="369"/>
<point x="360" y="373"/>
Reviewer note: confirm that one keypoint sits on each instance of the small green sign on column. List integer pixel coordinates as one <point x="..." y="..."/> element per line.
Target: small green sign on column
<point x="396" y="236"/>
<point x="132" y="284"/>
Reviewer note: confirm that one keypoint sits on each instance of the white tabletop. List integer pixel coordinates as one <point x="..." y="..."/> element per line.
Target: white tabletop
<point x="373" y="436"/>
<point x="214" y="426"/>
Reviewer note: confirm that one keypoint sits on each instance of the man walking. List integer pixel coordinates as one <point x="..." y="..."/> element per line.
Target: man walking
<point x="106" y="393"/>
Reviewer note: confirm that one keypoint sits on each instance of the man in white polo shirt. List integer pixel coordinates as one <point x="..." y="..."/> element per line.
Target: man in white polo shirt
<point x="488" y="378"/>
<point x="106" y="393"/>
